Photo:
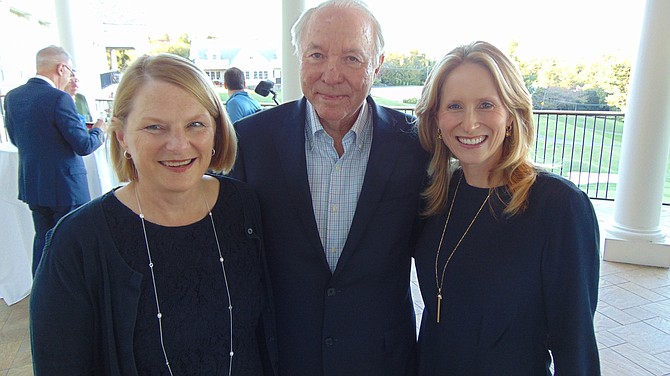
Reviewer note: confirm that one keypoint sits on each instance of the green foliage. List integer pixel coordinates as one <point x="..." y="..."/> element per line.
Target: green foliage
<point x="554" y="85"/>
<point x="559" y="98"/>
<point x="181" y="46"/>
<point x="598" y="86"/>
<point x="405" y="70"/>
<point x="123" y="59"/>
<point x="618" y="85"/>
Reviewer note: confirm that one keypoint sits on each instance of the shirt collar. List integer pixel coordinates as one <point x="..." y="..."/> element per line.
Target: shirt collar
<point x="46" y="79"/>
<point x="239" y="93"/>
<point x="362" y="127"/>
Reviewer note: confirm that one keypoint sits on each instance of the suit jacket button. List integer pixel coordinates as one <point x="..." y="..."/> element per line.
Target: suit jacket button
<point x="330" y="291"/>
<point x="328" y="341"/>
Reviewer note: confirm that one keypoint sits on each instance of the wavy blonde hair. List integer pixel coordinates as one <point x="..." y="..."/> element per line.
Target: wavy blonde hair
<point x="517" y="168"/>
<point x="177" y="71"/>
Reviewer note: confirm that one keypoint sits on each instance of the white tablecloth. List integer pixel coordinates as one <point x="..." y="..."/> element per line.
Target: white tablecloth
<point x="16" y="223"/>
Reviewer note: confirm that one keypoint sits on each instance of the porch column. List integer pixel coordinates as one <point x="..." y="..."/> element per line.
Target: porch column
<point x="66" y="27"/>
<point x="635" y="236"/>
<point x="290" y="77"/>
<point x="79" y="32"/>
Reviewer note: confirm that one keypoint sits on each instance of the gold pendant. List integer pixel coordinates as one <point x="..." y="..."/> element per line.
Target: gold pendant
<point x="439" y="304"/>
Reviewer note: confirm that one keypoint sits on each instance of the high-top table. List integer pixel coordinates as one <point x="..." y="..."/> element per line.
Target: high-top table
<point x="16" y="223"/>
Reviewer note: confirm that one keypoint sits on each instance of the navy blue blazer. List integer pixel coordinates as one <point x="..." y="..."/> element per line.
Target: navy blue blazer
<point x="360" y="319"/>
<point x="42" y="122"/>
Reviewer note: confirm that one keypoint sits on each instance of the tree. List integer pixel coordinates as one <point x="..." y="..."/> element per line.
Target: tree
<point x="600" y="85"/>
<point x="405" y="70"/>
<point x="123" y="59"/>
<point x="181" y="47"/>
<point x="618" y="85"/>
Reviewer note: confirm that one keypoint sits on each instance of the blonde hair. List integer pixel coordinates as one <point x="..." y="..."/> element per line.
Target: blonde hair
<point x="177" y="71"/>
<point x="516" y="165"/>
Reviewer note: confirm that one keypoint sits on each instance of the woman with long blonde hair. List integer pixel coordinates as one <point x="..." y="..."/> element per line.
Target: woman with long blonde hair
<point x="508" y="260"/>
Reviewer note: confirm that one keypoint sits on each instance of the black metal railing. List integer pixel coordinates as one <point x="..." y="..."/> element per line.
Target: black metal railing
<point x="582" y="146"/>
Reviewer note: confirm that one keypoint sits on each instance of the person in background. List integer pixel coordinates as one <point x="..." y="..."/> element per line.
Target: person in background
<point x="79" y="99"/>
<point x="339" y="180"/>
<point x="239" y="103"/>
<point x="508" y="261"/>
<point x="165" y="275"/>
<point x="42" y="121"/>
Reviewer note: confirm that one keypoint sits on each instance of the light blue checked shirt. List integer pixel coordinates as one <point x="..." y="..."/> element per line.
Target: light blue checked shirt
<point x="335" y="182"/>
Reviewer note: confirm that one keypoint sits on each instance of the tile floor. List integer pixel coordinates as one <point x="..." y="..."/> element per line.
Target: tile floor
<point x="632" y="322"/>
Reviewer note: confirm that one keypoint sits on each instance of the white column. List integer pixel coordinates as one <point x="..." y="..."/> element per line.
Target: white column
<point x="635" y="236"/>
<point x="80" y="34"/>
<point x="290" y="80"/>
<point x="65" y="27"/>
<point x="113" y="62"/>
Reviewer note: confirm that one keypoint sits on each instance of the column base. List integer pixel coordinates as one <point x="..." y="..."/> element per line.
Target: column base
<point x="637" y="252"/>
<point x="619" y="231"/>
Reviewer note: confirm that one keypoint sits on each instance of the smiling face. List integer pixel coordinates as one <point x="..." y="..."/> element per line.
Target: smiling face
<point x="337" y="66"/>
<point x="472" y="119"/>
<point x="170" y="137"/>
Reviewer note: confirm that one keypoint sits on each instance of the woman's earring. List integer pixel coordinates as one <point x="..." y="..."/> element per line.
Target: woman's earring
<point x="439" y="134"/>
<point x="127" y="155"/>
<point x="213" y="151"/>
<point x="508" y="131"/>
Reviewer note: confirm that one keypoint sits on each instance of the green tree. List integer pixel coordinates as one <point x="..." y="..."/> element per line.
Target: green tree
<point x="619" y="84"/>
<point x="405" y="70"/>
<point x="529" y="70"/>
<point x="181" y="46"/>
<point x="123" y="59"/>
<point x="598" y="85"/>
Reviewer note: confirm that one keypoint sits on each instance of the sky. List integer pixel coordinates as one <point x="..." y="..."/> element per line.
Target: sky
<point x="569" y="29"/>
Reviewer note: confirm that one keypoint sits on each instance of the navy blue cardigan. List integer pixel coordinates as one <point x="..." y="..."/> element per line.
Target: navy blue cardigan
<point x="84" y="300"/>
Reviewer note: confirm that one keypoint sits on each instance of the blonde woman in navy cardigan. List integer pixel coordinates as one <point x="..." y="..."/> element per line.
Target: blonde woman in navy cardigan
<point x="508" y="260"/>
<point x="165" y="275"/>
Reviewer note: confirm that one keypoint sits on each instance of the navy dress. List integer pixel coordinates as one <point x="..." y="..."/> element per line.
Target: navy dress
<point x="517" y="291"/>
<point x="93" y="310"/>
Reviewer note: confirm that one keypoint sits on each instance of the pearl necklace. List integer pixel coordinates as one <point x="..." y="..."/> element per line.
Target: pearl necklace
<point x="159" y="314"/>
<point x="440" y="281"/>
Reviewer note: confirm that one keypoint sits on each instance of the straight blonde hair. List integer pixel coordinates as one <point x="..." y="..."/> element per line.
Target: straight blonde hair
<point x="177" y="71"/>
<point x="516" y="165"/>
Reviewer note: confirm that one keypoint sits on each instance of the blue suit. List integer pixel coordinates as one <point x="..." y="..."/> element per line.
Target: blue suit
<point x="42" y="122"/>
<point x="358" y="320"/>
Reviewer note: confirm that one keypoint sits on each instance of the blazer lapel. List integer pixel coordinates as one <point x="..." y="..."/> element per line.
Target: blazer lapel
<point x="290" y="145"/>
<point x="380" y="165"/>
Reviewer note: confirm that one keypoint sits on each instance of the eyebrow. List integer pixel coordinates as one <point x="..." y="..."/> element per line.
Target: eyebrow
<point x="314" y="46"/>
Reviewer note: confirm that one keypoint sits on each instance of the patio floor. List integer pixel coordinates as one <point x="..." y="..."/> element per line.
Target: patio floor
<point x="632" y="321"/>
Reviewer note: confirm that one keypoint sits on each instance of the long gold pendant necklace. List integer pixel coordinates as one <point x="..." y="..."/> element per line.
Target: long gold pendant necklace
<point x="159" y="314"/>
<point x="439" y="281"/>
